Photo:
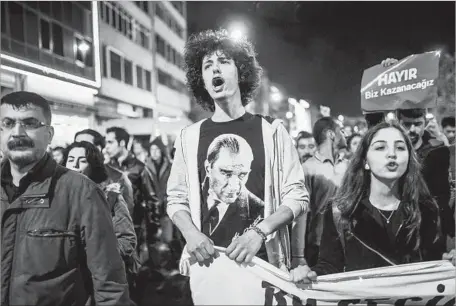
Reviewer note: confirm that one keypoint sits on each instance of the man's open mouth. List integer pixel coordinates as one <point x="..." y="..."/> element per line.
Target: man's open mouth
<point x="218" y="82"/>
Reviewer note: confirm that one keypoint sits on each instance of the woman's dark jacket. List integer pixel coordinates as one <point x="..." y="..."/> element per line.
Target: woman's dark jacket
<point x="353" y="249"/>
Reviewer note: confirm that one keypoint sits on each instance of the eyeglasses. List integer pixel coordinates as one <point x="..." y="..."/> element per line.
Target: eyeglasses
<point x="28" y="124"/>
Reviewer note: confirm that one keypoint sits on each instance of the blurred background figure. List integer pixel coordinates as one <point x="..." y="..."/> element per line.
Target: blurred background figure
<point x="158" y="167"/>
<point x="448" y="128"/>
<point x="305" y="144"/>
<point x="139" y="148"/>
<point x="58" y="154"/>
<point x="85" y="158"/>
<point x="352" y="144"/>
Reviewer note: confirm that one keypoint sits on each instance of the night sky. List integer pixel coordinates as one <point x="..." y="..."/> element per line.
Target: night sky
<point x="318" y="50"/>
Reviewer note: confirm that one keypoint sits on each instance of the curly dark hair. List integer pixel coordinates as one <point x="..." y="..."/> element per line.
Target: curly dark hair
<point x="240" y="50"/>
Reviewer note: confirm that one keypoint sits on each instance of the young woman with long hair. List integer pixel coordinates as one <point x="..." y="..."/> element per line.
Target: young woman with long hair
<point x="85" y="158"/>
<point x="382" y="214"/>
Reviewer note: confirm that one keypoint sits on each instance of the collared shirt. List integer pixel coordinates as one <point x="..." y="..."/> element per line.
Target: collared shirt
<point x="13" y="191"/>
<point x="322" y="178"/>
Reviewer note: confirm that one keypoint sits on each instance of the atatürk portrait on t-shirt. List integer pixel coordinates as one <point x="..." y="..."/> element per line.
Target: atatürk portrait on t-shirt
<point x="228" y="165"/>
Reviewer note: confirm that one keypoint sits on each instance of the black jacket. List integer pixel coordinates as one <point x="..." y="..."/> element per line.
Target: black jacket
<point x="435" y="159"/>
<point x="134" y="169"/>
<point x="371" y="232"/>
<point x="58" y="243"/>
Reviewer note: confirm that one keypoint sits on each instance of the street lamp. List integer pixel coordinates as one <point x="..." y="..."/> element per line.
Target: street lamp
<point x="304" y="103"/>
<point x="83" y="47"/>
<point x="237" y="30"/>
<point x="292" y="101"/>
<point x="276" y="96"/>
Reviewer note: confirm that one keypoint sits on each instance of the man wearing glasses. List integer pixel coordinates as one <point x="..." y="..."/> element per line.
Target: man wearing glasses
<point x="58" y="245"/>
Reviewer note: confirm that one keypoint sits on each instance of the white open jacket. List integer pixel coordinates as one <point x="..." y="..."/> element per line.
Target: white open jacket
<point x="284" y="185"/>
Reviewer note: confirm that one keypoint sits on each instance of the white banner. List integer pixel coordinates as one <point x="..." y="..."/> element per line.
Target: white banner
<point x="224" y="282"/>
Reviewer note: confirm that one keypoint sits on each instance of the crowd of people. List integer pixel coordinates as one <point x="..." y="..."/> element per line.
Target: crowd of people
<point x="101" y="220"/>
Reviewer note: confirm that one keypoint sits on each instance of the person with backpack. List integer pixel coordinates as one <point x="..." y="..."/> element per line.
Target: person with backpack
<point x="383" y="213"/>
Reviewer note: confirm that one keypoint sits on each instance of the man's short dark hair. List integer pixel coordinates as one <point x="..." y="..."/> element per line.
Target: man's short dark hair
<point x="303" y="135"/>
<point x="448" y="121"/>
<point x="120" y="134"/>
<point x="412" y="113"/>
<point x="24" y="99"/>
<point x="240" y="50"/>
<point x="98" y="140"/>
<point x="321" y="127"/>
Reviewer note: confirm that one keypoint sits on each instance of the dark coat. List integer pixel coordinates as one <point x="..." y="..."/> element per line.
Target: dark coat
<point x="134" y="169"/>
<point x="58" y="243"/>
<point x="117" y="176"/>
<point x="435" y="159"/>
<point x="368" y="234"/>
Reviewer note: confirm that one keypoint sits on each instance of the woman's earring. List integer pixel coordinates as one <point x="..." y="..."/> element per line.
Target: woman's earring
<point x="366" y="166"/>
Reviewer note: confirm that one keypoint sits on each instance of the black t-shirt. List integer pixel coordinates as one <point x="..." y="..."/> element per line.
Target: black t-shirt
<point x="231" y="166"/>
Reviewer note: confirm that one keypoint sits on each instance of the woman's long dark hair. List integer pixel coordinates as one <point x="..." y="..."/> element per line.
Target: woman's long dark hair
<point x="412" y="188"/>
<point x="94" y="158"/>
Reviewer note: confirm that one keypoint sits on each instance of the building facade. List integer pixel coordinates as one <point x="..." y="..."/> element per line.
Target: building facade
<point x="51" y="48"/>
<point x="143" y="82"/>
<point x="127" y="64"/>
<point x="173" y="101"/>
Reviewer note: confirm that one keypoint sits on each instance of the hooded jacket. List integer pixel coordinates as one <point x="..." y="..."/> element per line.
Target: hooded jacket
<point x="284" y="185"/>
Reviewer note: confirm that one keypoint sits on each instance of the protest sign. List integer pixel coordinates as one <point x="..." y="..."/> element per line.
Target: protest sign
<point x="224" y="282"/>
<point x="410" y="83"/>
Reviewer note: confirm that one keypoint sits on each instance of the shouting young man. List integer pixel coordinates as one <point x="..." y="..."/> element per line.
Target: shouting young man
<point x="234" y="166"/>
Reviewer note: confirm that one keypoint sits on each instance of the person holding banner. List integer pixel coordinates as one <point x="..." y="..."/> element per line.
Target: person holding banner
<point x="233" y="158"/>
<point x="383" y="213"/>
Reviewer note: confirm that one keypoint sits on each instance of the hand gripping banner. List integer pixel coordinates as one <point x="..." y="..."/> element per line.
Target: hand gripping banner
<point x="224" y="282"/>
<point x="410" y="83"/>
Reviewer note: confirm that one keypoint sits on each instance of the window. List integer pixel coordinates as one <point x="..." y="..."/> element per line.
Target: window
<point x="57" y="39"/>
<point x="159" y="11"/>
<point x="57" y="10"/>
<point x="128" y="72"/>
<point x="3" y="17"/>
<point x="45" y="7"/>
<point x="45" y="30"/>
<point x="148" y="80"/>
<point x="104" y="66"/>
<point x="160" y="45"/>
<point x="116" y="66"/>
<point x="144" y="5"/>
<point x="123" y="22"/>
<point x="168" y="53"/>
<point x="84" y="52"/>
<point x="16" y="21"/>
<point x="169" y="81"/>
<point x="67" y="12"/>
<point x="179" y="6"/>
<point x="78" y="19"/>
<point x="139" y="77"/>
<point x="31" y="24"/>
